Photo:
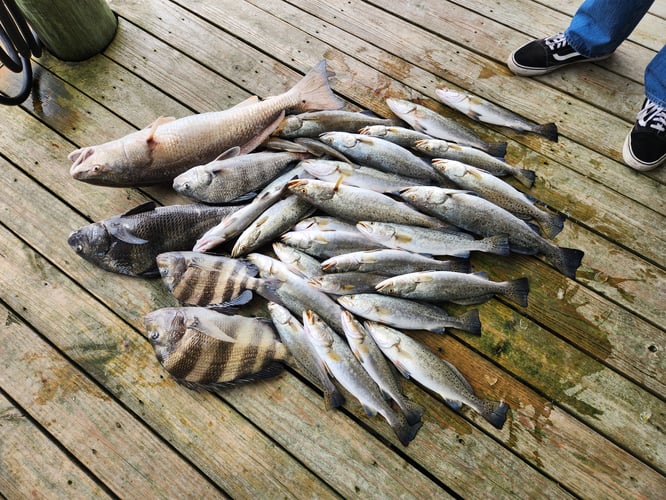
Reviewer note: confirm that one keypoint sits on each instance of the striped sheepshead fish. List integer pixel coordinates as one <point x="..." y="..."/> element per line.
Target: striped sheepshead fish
<point x="204" y="349"/>
<point x="200" y="279"/>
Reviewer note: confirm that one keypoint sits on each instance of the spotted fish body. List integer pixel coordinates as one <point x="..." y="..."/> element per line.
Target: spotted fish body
<point x="432" y="123"/>
<point x="348" y="371"/>
<point x="314" y="123"/>
<point x="201" y="279"/>
<point x="416" y="361"/>
<point x="304" y="355"/>
<point x="485" y="111"/>
<point x="170" y="146"/>
<point x="389" y="262"/>
<point x="129" y="243"/>
<point x="202" y="348"/>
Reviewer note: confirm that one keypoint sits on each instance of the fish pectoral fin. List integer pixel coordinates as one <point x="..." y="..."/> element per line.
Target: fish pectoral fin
<point x="369" y="411"/>
<point x="144" y="207"/>
<point x="121" y="232"/>
<point x="153" y="126"/>
<point x="402" y="369"/>
<point x="263" y="135"/>
<point x="229" y="153"/>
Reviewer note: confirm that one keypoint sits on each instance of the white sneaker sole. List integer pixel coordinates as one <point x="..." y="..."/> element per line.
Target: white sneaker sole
<point x="635" y="163"/>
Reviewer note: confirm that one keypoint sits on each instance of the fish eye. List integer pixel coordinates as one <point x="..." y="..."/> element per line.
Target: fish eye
<point x="186" y="186"/>
<point x="155" y="335"/>
<point x="79" y="248"/>
<point x="96" y="168"/>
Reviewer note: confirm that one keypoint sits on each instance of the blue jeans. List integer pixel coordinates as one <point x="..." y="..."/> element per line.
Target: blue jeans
<point x="600" y="26"/>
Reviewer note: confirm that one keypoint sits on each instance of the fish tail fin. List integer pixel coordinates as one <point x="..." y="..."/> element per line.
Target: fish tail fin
<point x="525" y="177"/>
<point x="469" y="322"/>
<point x="498" y="244"/>
<point x="412" y="411"/>
<point x="460" y="266"/>
<point x="568" y="260"/>
<point x="497" y="149"/>
<point x="551" y="224"/>
<point x="333" y="398"/>
<point x="495" y="413"/>
<point x="404" y="431"/>
<point x="518" y="291"/>
<point x="549" y="131"/>
<point x="314" y="91"/>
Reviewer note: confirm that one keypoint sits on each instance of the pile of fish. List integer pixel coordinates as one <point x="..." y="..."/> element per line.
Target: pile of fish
<point x="352" y="227"/>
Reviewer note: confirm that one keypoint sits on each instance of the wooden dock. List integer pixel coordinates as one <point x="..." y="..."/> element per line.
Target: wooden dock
<point x="85" y="408"/>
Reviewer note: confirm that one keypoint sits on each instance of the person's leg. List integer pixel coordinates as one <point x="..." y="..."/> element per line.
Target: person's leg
<point x="645" y="146"/>
<point x="600" y="26"/>
<point x="596" y="30"/>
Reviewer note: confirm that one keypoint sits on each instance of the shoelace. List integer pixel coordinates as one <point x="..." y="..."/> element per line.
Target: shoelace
<point x="652" y="115"/>
<point x="556" y="41"/>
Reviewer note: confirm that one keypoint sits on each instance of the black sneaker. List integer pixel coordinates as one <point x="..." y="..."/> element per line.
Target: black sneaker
<point x="545" y="55"/>
<point x="645" y="146"/>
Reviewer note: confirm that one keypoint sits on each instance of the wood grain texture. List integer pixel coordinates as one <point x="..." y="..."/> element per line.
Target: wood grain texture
<point x="582" y="366"/>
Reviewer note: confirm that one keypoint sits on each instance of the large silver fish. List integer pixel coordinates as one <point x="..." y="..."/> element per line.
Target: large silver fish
<point x="418" y="362"/>
<point x="129" y="243"/>
<point x="346" y="283"/>
<point x="303" y="353"/>
<point x="325" y="244"/>
<point x="381" y="154"/>
<point x="359" y="176"/>
<point x="484" y="218"/>
<point x="409" y="314"/>
<point x="347" y="370"/>
<point x="390" y="262"/>
<point x="200" y="279"/>
<point x="459" y="288"/>
<point x="405" y="137"/>
<point x="438" y="148"/>
<point x="485" y="111"/>
<point x="202" y="348"/>
<point x="355" y="204"/>
<point x="432" y="241"/>
<point x="432" y="123"/>
<point x="371" y="357"/>
<point x="500" y="193"/>
<point x="315" y="123"/>
<point x="168" y="146"/>
<point x="233" y="176"/>
<point x="271" y="224"/>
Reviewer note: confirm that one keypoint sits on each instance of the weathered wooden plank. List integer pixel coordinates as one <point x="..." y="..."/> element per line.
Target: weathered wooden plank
<point x="108" y="440"/>
<point x="21" y="442"/>
<point x="629" y="60"/>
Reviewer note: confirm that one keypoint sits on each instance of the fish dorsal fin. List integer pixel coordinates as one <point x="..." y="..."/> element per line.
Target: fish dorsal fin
<point x="459" y="376"/>
<point x="121" y="232"/>
<point x="152" y="128"/>
<point x="247" y="102"/>
<point x="229" y="153"/>
<point x="402" y="369"/>
<point x="144" y="207"/>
